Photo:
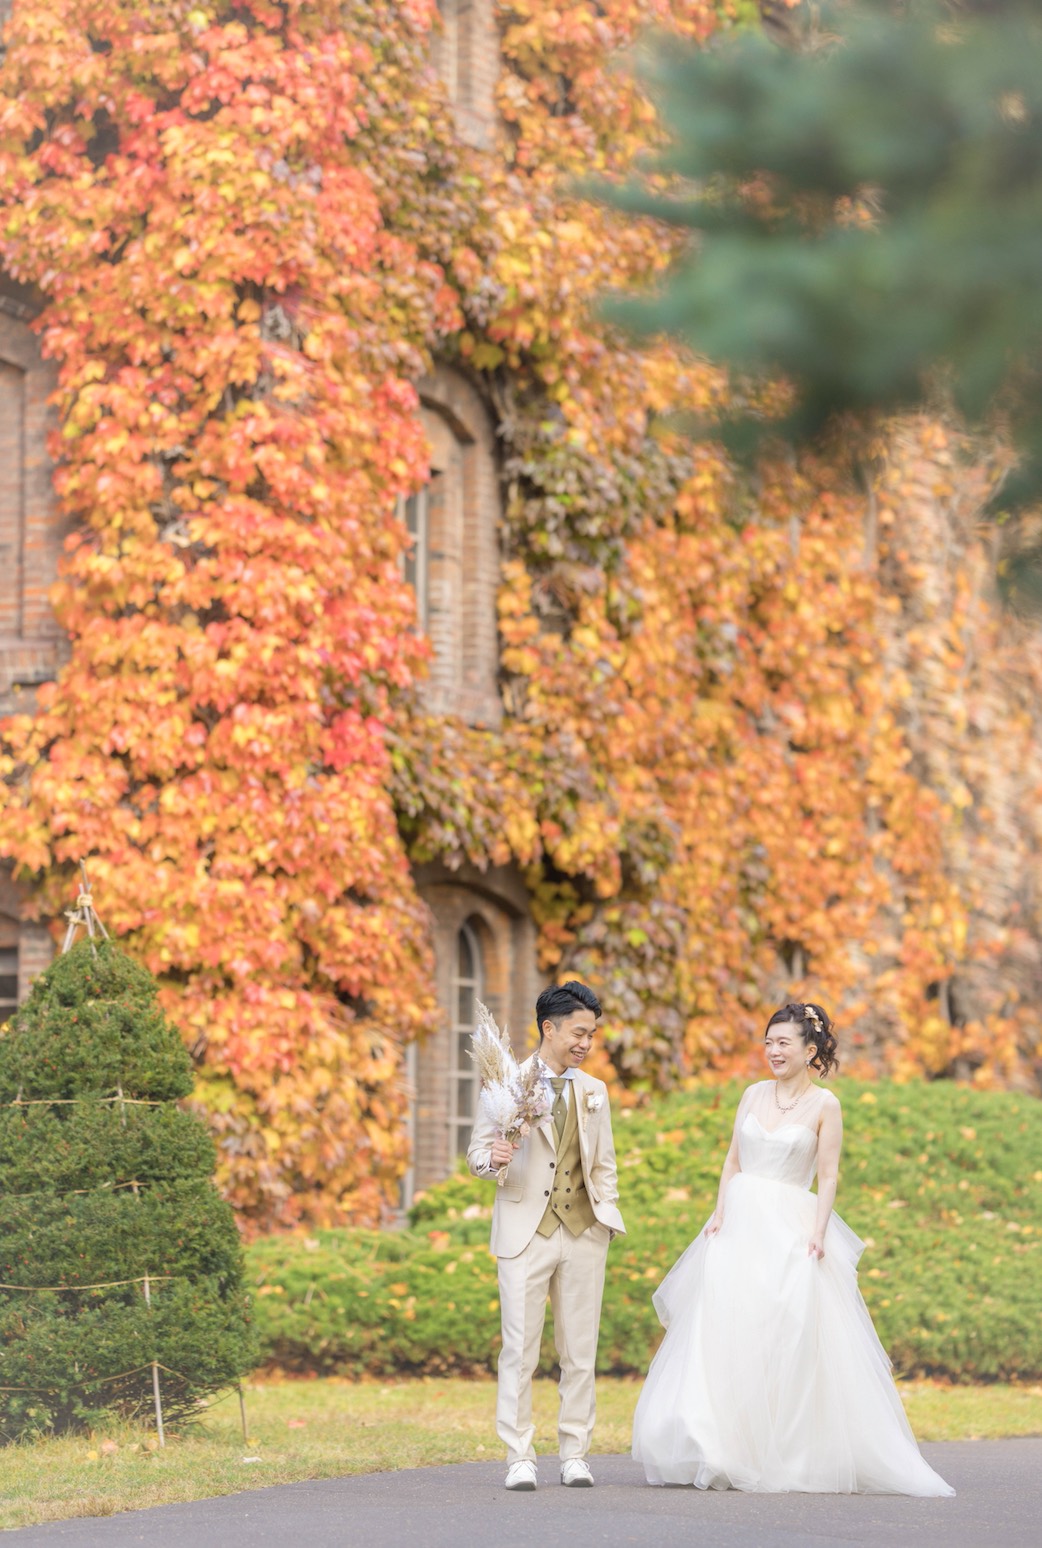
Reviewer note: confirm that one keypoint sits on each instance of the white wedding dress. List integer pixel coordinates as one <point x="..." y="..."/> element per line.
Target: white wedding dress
<point x="770" y="1376"/>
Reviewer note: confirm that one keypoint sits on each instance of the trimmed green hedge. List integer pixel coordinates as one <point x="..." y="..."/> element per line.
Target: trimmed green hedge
<point x="943" y="1183"/>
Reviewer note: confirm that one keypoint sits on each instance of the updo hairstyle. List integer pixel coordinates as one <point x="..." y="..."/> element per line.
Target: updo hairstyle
<point x="815" y="1028"/>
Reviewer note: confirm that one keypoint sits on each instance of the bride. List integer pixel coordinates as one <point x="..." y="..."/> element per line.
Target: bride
<point x="771" y="1376"/>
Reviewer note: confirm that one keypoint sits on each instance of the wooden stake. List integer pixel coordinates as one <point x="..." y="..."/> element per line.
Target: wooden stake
<point x="155" y="1374"/>
<point x="148" y="1302"/>
<point x="83" y="915"/>
<point x="159" y="1404"/>
<point x="242" y="1413"/>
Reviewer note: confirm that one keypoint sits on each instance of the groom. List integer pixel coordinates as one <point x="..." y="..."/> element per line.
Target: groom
<point x="551" y="1224"/>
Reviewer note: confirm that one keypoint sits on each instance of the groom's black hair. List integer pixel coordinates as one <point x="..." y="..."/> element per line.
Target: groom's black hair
<point x="557" y="1002"/>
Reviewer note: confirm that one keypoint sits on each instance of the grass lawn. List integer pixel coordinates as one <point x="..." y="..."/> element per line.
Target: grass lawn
<point x="316" y="1429"/>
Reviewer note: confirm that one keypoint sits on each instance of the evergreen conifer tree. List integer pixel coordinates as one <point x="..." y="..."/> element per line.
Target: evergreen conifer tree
<point x="104" y="1181"/>
<point x="866" y="220"/>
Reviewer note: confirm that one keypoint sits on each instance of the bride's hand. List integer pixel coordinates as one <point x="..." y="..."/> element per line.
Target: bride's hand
<point x="715" y="1223"/>
<point x="815" y="1248"/>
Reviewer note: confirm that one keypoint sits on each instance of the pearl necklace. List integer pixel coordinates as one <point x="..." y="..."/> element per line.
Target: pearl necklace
<point x="783" y="1109"/>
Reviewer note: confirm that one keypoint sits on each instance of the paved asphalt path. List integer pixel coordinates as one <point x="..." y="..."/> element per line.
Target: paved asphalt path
<point x="998" y="1505"/>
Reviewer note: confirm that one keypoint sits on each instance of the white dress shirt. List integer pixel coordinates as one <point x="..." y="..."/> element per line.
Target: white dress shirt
<point x="567" y="1076"/>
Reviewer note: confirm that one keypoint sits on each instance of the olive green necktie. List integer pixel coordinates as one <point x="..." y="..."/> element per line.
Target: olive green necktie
<point x="560" y="1107"/>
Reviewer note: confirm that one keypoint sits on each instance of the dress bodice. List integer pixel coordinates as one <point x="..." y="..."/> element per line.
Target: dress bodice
<point x="788" y="1153"/>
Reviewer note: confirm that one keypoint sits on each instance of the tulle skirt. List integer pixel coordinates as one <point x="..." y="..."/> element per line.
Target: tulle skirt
<point x="770" y="1376"/>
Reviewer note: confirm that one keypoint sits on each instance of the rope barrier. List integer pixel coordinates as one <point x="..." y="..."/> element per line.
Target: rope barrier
<point x="84" y="1101"/>
<point x="100" y="1381"/>
<point x="71" y="1193"/>
<point x="105" y="1187"/>
<point x="107" y="1284"/>
<point x="91" y="1381"/>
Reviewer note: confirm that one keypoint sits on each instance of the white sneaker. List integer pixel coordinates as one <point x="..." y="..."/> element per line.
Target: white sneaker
<point x="521" y="1475"/>
<point x="575" y="1474"/>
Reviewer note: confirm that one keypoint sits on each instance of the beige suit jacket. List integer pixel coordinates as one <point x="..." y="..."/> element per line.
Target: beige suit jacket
<point x="520" y="1202"/>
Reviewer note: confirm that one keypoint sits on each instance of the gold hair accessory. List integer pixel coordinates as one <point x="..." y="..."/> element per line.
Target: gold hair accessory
<point x="812" y="1015"/>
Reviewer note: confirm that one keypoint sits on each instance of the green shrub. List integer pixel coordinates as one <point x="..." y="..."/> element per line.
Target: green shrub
<point x="104" y="1180"/>
<point x="942" y="1182"/>
<point x="41" y="1151"/>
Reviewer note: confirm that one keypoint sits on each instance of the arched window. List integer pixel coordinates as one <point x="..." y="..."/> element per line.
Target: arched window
<point x="467" y="990"/>
<point x="453" y="562"/>
<point x="484" y="949"/>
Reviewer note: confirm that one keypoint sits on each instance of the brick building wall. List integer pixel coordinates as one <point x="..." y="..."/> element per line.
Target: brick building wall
<point x="489" y="911"/>
<point x="31" y="535"/>
<point x="31" y="531"/>
<point x="466" y="56"/>
<point x="482" y="916"/>
<point x="462" y="544"/>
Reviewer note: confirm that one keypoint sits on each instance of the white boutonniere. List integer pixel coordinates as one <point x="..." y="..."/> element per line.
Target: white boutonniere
<point x="592" y="1102"/>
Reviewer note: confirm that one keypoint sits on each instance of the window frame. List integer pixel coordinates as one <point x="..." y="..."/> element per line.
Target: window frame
<point x="415" y="514"/>
<point x="462" y="1071"/>
<point x="9" y="969"/>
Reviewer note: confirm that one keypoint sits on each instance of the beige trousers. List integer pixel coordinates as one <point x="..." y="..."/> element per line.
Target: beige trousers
<point x="570" y="1270"/>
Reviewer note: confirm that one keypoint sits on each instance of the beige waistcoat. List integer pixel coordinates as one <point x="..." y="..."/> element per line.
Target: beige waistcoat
<point x="569" y="1202"/>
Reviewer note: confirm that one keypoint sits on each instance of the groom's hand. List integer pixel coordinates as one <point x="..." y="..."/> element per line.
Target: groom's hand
<point x="501" y="1154"/>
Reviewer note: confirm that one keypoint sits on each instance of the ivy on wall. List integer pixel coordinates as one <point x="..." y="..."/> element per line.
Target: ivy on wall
<point x="253" y="227"/>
